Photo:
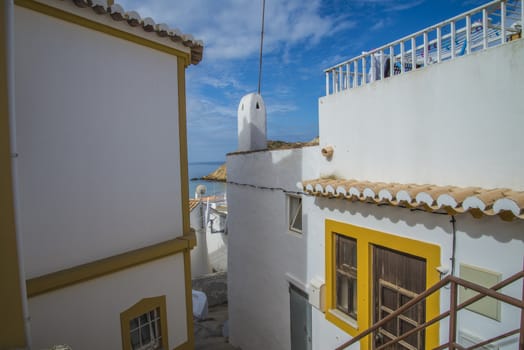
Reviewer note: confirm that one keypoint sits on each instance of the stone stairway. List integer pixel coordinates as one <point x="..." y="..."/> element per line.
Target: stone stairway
<point x="209" y="332"/>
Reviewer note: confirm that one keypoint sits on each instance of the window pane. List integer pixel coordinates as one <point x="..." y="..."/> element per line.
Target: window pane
<point x="133" y="323"/>
<point x="143" y="319"/>
<point x="295" y="213"/>
<point x="145" y="334"/>
<point x="346" y="271"/>
<point x="342" y="293"/>
<point x="135" y="340"/>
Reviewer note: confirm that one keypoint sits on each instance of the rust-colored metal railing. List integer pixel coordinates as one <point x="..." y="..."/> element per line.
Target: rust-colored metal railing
<point x="452" y="344"/>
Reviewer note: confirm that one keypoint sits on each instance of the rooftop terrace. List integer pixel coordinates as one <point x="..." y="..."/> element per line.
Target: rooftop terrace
<point x="492" y="24"/>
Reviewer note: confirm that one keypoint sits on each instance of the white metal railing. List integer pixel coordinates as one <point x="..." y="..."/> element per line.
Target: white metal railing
<point x="492" y="24"/>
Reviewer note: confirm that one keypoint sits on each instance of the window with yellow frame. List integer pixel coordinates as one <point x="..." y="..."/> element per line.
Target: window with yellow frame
<point x="349" y="276"/>
<point x="144" y="325"/>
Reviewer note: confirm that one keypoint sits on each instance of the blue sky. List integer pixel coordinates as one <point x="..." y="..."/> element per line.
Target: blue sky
<point x="302" y="38"/>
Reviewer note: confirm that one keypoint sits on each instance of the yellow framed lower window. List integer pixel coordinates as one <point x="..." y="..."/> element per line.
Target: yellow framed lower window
<point x="144" y="325"/>
<point x="359" y="261"/>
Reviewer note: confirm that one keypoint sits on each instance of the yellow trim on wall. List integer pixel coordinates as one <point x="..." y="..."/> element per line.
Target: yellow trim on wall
<point x="103" y="28"/>
<point x="64" y="278"/>
<point x="182" y="135"/>
<point x="12" y="334"/>
<point x="189" y="300"/>
<point x="366" y="238"/>
<point x="140" y="308"/>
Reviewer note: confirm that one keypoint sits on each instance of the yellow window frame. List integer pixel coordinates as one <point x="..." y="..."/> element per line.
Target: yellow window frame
<point x="140" y="308"/>
<point x="366" y="238"/>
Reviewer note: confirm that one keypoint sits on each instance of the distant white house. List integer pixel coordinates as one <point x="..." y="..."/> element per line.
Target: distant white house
<point x="418" y="176"/>
<point x="95" y="236"/>
<point x="208" y="217"/>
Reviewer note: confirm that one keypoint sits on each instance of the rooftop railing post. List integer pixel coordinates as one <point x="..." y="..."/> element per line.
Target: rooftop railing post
<point x="413" y="53"/>
<point x="382" y="64"/>
<point x="340" y="79"/>
<point x="334" y="81"/>
<point x="484" y="29"/>
<point x="402" y="60"/>
<point x="452" y="30"/>
<point x="391" y="60"/>
<point x="502" y="22"/>
<point x="355" y="72"/>
<point x="372" y="63"/>
<point x="468" y="34"/>
<point x="348" y="77"/>
<point x="426" y="49"/>
<point x="439" y="44"/>
<point x="363" y="71"/>
<point x="327" y="83"/>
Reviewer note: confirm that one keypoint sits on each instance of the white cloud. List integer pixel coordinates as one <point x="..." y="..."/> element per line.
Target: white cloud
<point x="231" y="28"/>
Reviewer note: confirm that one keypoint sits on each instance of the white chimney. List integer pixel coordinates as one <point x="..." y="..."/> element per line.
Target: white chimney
<point x="251" y="123"/>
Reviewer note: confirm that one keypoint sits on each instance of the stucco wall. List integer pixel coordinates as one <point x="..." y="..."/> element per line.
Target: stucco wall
<point x="488" y="243"/>
<point x="199" y="257"/>
<point x="455" y="123"/>
<point x="439" y="125"/>
<point x="87" y="315"/>
<point x="263" y="255"/>
<point x="98" y="144"/>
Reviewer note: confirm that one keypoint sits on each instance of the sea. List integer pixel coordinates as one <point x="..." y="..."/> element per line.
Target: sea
<point x="199" y="169"/>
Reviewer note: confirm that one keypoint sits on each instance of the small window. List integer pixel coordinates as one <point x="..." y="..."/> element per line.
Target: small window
<point x="144" y="325"/>
<point x="346" y="275"/>
<point x="295" y="213"/>
<point x="145" y="331"/>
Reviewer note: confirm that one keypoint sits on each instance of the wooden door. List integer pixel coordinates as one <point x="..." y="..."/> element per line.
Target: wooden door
<point x="398" y="278"/>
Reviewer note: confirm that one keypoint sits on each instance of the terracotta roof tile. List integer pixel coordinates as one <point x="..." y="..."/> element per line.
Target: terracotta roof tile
<point x="117" y="13"/>
<point x="193" y="203"/>
<point x="508" y="204"/>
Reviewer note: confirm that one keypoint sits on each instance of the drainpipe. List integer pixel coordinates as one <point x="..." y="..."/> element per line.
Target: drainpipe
<point x="10" y="59"/>
<point x="454" y="244"/>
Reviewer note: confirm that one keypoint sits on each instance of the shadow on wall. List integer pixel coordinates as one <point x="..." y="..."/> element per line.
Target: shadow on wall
<point x="485" y="226"/>
<point x="265" y="256"/>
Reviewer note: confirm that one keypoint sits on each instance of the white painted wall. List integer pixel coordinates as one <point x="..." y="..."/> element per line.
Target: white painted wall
<point x="210" y="253"/>
<point x="199" y="257"/>
<point x="488" y="243"/>
<point x="215" y="213"/>
<point x="97" y="137"/>
<point x="87" y="315"/>
<point x="455" y="123"/>
<point x="263" y="253"/>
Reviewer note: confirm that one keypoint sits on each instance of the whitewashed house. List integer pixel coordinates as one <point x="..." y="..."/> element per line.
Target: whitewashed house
<point x="418" y="179"/>
<point x="95" y="236"/>
<point x="208" y="217"/>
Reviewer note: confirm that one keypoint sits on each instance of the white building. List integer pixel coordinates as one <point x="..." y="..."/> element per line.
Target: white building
<point x="208" y="217"/>
<point x="95" y="242"/>
<point x="418" y="176"/>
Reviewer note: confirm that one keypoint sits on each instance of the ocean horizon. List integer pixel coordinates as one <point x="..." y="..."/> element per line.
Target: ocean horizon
<point x="197" y="170"/>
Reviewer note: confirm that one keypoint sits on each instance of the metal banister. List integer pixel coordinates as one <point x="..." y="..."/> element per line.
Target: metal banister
<point x="454" y="308"/>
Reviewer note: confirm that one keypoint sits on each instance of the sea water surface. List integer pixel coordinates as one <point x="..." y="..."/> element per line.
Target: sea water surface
<point x="200" y="169"/>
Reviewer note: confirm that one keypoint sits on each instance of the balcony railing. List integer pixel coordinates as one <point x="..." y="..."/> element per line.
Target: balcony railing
<point x="452" y="344"/>
<point x="492" y="24"/>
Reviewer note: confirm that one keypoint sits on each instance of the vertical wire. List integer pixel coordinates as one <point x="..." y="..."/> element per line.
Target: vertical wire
<point x="261" y="46"/>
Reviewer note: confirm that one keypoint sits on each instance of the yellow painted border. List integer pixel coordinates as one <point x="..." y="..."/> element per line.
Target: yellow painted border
<point x="64" y="278"/>
<point x="140" y="308"/>
<point x="189" y="302"/>
<point x="366" y="238"/>
<point x="103" y="28"/>
<point x="12" y="320"/>
<point x="182" y="135"/>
